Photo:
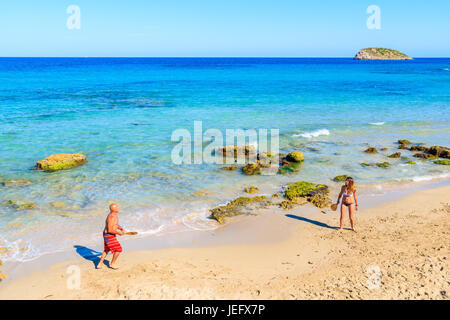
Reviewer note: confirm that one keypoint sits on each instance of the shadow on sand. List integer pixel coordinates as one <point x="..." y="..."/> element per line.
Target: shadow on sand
<point x="317" y="223"/>
<point x="90" y="255"/>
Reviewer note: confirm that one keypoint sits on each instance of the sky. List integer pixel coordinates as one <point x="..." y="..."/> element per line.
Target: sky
<point x="222" y="28"/>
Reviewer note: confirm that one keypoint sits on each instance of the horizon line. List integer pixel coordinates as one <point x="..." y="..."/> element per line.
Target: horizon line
<point x="211" y="57"/>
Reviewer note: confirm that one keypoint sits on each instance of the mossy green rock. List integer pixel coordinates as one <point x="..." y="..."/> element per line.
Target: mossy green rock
<point x="251" y="169"/>
<point x="317" y="194"/>
<point x="295" y="156"/>
<point x="411" y="162"/>
<point x="365" y="164"/>
<point x="340" y="178"/>
<point x="61" y="161"/>
<point x="383" y="164"/>
<point x="443" y="162"/>
<point x="289" y="167"/>
<point x="236" y="207"/>
<point x="251" y="189"/>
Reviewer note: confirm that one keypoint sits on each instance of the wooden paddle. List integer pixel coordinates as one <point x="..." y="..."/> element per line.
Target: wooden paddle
<point x="131" y="233"/>
<point x="334" y="206"/>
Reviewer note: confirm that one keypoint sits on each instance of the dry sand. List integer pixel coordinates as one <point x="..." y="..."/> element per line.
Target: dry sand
<point x="407" y="241"/>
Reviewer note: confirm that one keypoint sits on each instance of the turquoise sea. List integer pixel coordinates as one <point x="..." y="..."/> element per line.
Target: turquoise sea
<point x="121" y="114"/>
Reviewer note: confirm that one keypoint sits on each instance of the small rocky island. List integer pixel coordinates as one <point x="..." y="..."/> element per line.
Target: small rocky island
<point x="381" y="54"/>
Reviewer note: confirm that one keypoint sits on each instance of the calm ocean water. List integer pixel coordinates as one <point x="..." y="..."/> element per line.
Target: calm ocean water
<point x="121" y="113"/>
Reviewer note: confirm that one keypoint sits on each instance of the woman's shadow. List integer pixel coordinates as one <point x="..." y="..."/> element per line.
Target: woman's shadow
<point x="90" y="255"/>
<point x="315" y="222"/>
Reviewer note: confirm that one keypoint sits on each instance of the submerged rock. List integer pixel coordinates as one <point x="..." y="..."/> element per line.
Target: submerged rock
<point x="418" y="148"/>
<point x="443" y="162"/>
<point x="61" y="161"/>
<point x="20" y="205"/>
<point x="365" y="164"/>
<point x="405" y="142"/>
<point x="425" y="156"/>
<point x="251" y="189"/>
<point x="383" y="164"/>
<point x="18" y="182"/>
<point x="371" y="150"/>
<point x="395" y="155"/>
<point x="234" y="151"/>
<point x="237" y="207"/>
<point x="289" y="167"/>
<point x="230" y="168"/>
<point x="340" y="178"/>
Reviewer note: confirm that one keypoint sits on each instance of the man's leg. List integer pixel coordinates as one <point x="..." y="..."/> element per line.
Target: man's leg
<point x="100" y="263"/>
<point x="113" y="261"/>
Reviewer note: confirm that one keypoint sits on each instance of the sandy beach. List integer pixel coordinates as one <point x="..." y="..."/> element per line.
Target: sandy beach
<point x="400" y="251"/>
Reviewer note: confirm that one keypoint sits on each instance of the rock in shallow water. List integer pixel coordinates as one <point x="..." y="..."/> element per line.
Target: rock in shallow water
<point x="61" y="161"/>
<point x="295" y="156"/>
<point x="237" y="207"/>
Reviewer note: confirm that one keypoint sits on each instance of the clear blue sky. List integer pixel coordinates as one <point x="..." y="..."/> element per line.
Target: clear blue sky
<point x="221" y="28"/>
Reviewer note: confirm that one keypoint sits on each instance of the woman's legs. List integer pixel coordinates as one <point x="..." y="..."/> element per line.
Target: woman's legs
<point x="350" y="213"/>
<point x="341" y="222"/>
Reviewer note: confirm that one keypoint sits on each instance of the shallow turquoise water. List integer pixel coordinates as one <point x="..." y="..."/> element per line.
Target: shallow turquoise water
<point x="121" y="114"/>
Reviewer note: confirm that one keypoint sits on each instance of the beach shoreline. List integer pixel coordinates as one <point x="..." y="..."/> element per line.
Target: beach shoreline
<point x="293" y="243"/>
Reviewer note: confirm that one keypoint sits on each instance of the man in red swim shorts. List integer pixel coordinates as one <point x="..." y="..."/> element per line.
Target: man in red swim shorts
<point x="111" y="243"/>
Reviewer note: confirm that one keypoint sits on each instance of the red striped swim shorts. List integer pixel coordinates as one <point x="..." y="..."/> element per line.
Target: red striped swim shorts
<point x="111" y="243"/>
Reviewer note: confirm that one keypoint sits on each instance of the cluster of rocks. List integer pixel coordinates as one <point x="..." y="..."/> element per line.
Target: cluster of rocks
<point x="428" y="153"/>
<point x="421" y="151"/>
<point x="294" y="194"/>
<point x="286" y="163"/>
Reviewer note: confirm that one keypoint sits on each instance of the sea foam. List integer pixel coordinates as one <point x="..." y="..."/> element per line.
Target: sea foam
<point x="313" y="134"/>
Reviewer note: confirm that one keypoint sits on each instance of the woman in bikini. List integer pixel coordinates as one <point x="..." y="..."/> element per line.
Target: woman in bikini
<point x="348" y="191"/>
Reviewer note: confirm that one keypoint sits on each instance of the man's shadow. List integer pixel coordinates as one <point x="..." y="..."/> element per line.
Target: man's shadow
<point x="317" y="223"/>
<point x="90" y="255"/>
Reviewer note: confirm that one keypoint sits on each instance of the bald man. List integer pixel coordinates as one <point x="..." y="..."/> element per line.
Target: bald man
<point x="112" y="229"/>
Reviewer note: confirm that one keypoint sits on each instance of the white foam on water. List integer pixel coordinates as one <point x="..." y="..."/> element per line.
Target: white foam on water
<point x="426" y="177"/>
<point x="376" y="123"/>
<point x="18" y="250"/>
<point x="313" y="134"/>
